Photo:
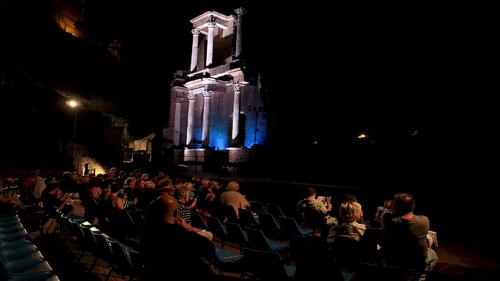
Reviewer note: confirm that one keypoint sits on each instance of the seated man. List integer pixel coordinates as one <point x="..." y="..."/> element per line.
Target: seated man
<point x="405" y="237"/>
<point x="233" y="198"/>
<point x="172" y="251"/>
<point x="314" y="212"/>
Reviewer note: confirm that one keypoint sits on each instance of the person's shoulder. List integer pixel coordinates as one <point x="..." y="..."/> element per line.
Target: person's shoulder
<point x="422" y="218"/>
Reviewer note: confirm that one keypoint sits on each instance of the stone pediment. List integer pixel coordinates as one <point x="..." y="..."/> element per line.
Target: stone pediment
<point x="202" y="21"/>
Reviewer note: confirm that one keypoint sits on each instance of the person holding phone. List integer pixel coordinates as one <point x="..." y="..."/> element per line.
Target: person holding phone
<point x="314" y="212"/>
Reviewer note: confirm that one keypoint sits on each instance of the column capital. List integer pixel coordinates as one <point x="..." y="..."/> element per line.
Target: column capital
<point x="237" y="87"/>
<point x="179" y="100"/>
<point x="240" y="11"/>
<point x="206" y="93"/>
<point x="191" y="96"/>
<point x="211" y="21"/>
<point x="195" y="31"/>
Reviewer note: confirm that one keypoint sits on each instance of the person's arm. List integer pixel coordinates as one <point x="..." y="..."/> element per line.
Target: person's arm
<point x="65" y="199"/>
<point x="118" y="202"/>
<point x="182" y="222"/>
<point x="193" y="203"/>
<point x="244" y="202"/>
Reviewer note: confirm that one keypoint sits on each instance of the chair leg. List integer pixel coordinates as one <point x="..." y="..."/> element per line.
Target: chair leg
<point x="109" y="273"/>
<point x="81" y="255"/>
<point x="93" y="264"/>
<point x="74" y="247"/>
<point x="50" y="225"/>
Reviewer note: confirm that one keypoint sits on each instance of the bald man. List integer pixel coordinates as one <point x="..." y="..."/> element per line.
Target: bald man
<point x="171" y="249"/>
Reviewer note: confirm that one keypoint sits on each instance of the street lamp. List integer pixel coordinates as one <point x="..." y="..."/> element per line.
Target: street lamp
<point x="74" y="105"/>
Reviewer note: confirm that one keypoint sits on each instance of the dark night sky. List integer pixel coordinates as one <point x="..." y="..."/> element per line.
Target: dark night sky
<point x="332" y="72"/>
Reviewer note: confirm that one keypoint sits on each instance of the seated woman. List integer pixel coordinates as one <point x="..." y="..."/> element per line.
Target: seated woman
<point x="314" y="212"/>
<point x="350" y="214"/>
<point x="343" y="239"/>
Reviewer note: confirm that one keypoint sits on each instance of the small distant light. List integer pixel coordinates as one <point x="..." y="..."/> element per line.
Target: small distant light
<point x="414" y="133"/>
<point x="72" y="103"/>
<point x="362" y="136"/>
<point x="315" y="142"/>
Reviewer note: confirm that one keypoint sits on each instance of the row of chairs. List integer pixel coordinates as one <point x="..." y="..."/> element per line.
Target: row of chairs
<point x="89" y="239"/>
<point x="20" y="259"/>
<point x="262" y="227"/>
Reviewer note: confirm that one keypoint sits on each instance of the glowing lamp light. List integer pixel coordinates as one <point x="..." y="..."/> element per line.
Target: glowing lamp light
<point x="72" y="103"/>
<point x="362" y="136"/>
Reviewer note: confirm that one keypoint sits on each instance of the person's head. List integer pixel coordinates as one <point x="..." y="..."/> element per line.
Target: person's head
<point x="205" y="181"/>
<point x="94" y="181"/>
<point x="116" y="187"/>
<point x="145" y="176"/>
<point x="166" y="182"/>
<point x="149" y="185"/>
<point x="182" y="193"/>
<point x="10" y="181"/>
<point x="350" y="211"/>
<point x="310" y="191"/>
<point x="52" y="187"/>
<point x="162" y="209"/>
<point x="95" y="191"/>
<point x="130" y="182"/>
<point x="233" y="185"/>
<point x="403" y="204"/>
<point x="350" y="197"/>
<point x="214" y="185"/>
<point x="112" y="172"/>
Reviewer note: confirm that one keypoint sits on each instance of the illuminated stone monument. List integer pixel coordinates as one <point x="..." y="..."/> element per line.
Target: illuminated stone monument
<point x="216" y="107"/>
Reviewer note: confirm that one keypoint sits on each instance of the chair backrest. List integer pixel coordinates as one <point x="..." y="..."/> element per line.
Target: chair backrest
<point x="236" y="234"/>
<point x="369" y="244"/>
<point x="122" y="257"/>
<point x="289" y="226"/>
<point x="258" y="240"/>
<point x="257" y="207"/>
<point x="198" y="220"/>
<point x="90" y="239"/>
<point x="229" y="213"/>
<point x="77" y="231"/>
<point x="216" y="227"/>
<point x="266" y="265"/>
<point x="275" y="210"/>
<point x="246" y="218"/>
<point x="269" y="225"/>
<point x="104" y="247"/>
<point x="346" y="251"/>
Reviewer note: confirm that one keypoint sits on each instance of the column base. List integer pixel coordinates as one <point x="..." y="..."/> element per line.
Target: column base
<point x="194" y="155"/>
<point x="238" y="154"/>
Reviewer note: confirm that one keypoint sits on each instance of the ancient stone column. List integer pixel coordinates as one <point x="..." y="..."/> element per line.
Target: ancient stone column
<point x="239" y="12"/>
<point x="190" y="128"/>
<point x="194" y="49"/>
<point x="210" y="43"/>
<point x="206" y="117"/>
<point x="177" y="122"/>
<point x="236" y="112"/>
